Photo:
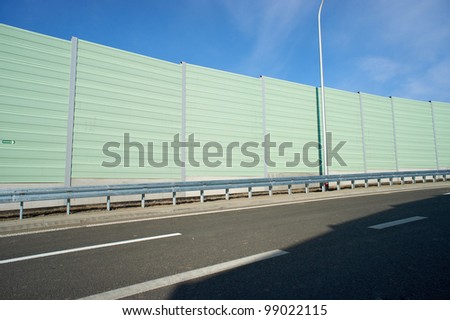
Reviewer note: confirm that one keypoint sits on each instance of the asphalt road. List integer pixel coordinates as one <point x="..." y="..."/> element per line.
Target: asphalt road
<point x="328" y="249"/>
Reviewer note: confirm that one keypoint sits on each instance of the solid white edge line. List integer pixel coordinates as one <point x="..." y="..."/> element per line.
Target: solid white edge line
<point x="182" y="277"/>
<point x="210" y="212"/>
<point x="104" y="245"/>
<point x="396" y="222"/>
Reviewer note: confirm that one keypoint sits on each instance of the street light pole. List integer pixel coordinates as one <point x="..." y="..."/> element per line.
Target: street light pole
<point x="322" y="100"/>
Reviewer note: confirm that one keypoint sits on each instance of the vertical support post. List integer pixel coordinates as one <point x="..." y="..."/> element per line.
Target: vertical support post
<point x="395" y="135"/>
<point x="390" y="182"/>
<point x="434" y="178"/>
<point x="270" y="191"/>
<point x="289" y="189"/>
<point x="68" y="207"/>
<point x="435" y="136"/>
<point x="363" y="133"/>
<point x="338" y="185"/>
<point x="227" y="194"/>
<point x="174" y="198"/>
<point x="21" y="211"/>
<point x="71" y="113"/>
<point x="353" y="184"/>
<point x="379" y="182"/>
<point x="108" y="203"/>
<point x="322" y="98"/>
<point x="306" y="187"/>
<point x="444" y="177"/>
<point x="183" y="120"/>
<point x="143" y="200"/>
<point x="202" y="196"/>
<point x="403" y="180"/>
<point x="366" y="183"/>
<point x="264" y="121"/>
<point x="424" y="179"/>
<point x="250" y="193"/>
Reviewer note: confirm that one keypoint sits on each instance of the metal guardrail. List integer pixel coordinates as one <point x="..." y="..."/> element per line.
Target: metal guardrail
<point x="64" y="193"/>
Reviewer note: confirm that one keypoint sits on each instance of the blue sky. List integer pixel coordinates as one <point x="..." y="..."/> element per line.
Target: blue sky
<point x="385" y="47"/>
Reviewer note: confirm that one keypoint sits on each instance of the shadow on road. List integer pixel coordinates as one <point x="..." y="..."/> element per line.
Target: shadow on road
<point x="410" y="261"/>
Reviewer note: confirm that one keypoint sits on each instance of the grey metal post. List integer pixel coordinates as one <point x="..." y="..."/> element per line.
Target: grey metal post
<point x="183" y="119"/>
<point x="68" y="207"/>
<point x="143" y="200"/>
<point x="395" y="135"/>
<point x="289" y="189"/>
<point x="21" y="211"/>
<point x="108" y="203"/>
<point x="202" y="196"/>
<point x="363" y="132"/>
<point x="250" y="193"/>
<point x="174" y="198"/>
<point x="264" y="119"/>
<point x="227" y="194"/>
<point x="306" y="187"/>
<point x="322" y="100"/>
<point x="434" y="135"/>
<point x="71" y="113"/>
<point x="270" y="191"/>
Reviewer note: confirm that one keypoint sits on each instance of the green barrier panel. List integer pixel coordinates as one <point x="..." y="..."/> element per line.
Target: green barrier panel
<point x="225" y="109"/>
<point x="120" y="94"/>
<point x="291" y="117"/>
<point x="344" y="123"/>
<point x="414" y="134"/>
<point x="378" y="133"/>
<point x="442" y="125"/>
<point x="34" y="94"/>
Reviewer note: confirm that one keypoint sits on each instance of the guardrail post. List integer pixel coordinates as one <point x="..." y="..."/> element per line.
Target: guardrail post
<point x="403" y="180"/>
<point x="68" y="207"/>
<point x="338" y="185"/>
<point x="143" y="200"/>
<point x="306" y="187"/>
<point x="434" y="178"/>
<point x="444" y="177"/>
<point x="250" y="192"/>
<point x="227" y="194"/>
<point x="108" y="203"/>
<point x="21" y="211"/>
<point x="379" y="182"/>
<point x="424" y="179"/>
<point x="414" y="179"/>
<point x="289" y="189"/>
<point x="353" y="184"/>
<point x="202" y="196"/>
<point x="391" y="182"/>
<point x="366" y="183"/>
<point x="174" y="198"/>
<point x="270" y="191"/>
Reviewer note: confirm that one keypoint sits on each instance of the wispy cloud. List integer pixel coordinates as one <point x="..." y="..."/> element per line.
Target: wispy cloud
<point x="380" y="69"/>
<point x="400" y="48"/>
<point x="268" y="25"/>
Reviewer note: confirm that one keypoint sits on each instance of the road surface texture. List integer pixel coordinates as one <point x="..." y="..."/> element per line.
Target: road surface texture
<point x="361" y="245"/>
